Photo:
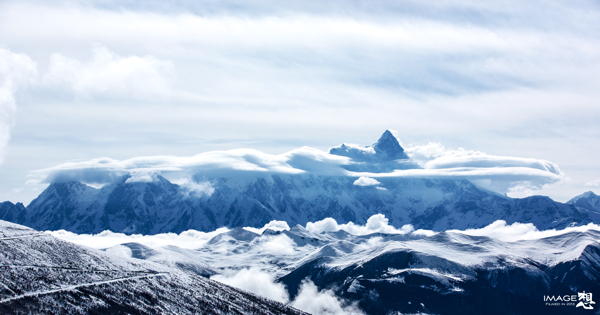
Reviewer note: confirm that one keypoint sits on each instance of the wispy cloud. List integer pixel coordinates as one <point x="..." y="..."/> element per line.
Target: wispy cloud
<point x="16" y="71"/>
<point x="110" y="76"/>
<point x="593" y="183"/>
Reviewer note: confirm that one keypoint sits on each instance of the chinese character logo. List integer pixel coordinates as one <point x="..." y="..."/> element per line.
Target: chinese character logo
<point x="585" y="300"/>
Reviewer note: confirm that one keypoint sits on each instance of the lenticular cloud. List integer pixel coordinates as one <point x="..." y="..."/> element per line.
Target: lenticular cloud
<point x="498" y="173"/>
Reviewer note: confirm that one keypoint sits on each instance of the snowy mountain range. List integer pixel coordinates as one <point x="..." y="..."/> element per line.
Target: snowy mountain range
<point x="44" y="275"/>
<point x="500" y="269"/>
<point x="245" y="198"/>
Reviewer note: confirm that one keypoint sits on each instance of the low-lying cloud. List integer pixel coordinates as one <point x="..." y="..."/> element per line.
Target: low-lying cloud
<point x="309" y="298"/>
<point x="366" y="181"/>
<point x="256" y="281"/>
<point x="377" y="223"/>
<point x="190" y="239"/>
<point x="194" y="188"/>
<point x="274" y="225"/>
<point x="313" y="301"/>
<point x="522" y="231"/>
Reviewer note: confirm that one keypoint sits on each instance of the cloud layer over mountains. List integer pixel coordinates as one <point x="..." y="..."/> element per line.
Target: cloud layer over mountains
<point x="377" y="223"/>
<point x="270" y="250"/>
<point x="499" y="173"/>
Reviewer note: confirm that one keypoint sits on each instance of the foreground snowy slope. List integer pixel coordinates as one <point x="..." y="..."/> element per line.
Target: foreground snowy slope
<point x="42" y="274"/>
<point x="452" y="272"/>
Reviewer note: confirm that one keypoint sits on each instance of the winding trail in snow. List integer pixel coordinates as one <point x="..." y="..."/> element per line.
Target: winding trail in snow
<point x="22" y="236"/>
<point x="75" y="269"/>
<point x="76" y="286"/>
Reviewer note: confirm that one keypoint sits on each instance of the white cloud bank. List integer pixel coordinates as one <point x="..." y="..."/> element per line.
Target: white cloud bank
<point x="497" y="173"/>
<point x="190" y="239"/>
<point x="377" y="223"/>
<point x="226" y="163"/>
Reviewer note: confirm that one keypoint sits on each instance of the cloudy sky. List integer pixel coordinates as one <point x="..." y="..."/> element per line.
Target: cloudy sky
<point x="125" y="80"/>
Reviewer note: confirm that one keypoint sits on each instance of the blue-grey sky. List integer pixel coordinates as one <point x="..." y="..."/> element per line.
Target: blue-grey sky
<point x="81" y="80"/>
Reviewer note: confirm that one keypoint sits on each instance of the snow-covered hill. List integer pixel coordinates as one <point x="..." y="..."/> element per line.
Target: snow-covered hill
<point x="44" y="275"/>
<point x="500" y="269"/>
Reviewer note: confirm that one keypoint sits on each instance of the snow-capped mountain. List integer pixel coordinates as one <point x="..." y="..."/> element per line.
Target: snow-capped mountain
<point x="385" y="155"/>
<point x="150" y="204"/>
<point x="450" y="272"/>
<point x="44" y="275"/>
<point x="587" y="201"/>
<point x="161" y="206"/>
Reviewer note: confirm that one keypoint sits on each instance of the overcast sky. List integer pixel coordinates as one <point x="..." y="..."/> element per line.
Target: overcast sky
<point x="81" y="80"/>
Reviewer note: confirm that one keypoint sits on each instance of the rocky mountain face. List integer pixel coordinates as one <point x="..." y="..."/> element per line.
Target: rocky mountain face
<point x="12" y="212"/>
<point x="161" y="206"/>
<point x="44" y="275"/>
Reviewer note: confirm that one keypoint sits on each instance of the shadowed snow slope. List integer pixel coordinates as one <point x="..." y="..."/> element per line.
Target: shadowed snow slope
<point x="42" y="274"/>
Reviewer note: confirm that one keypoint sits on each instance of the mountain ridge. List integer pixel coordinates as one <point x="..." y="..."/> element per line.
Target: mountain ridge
<point x="250" y="188"/>
<point x="161" y="206"/>
<point x="450" y="272"/>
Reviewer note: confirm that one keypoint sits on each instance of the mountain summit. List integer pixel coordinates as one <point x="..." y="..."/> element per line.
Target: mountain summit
<point x="388" y="147"/>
